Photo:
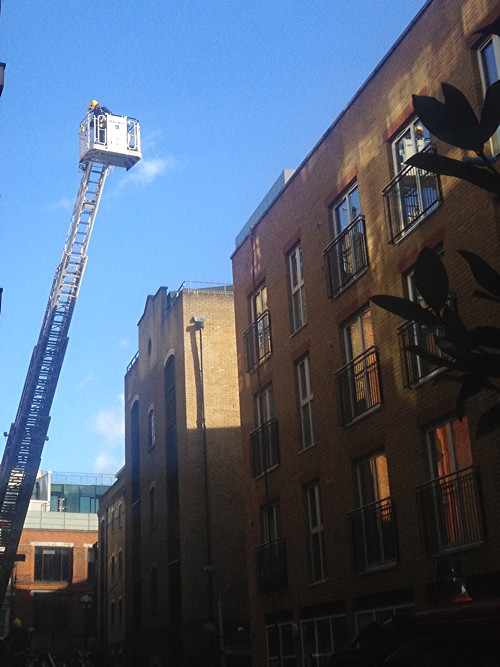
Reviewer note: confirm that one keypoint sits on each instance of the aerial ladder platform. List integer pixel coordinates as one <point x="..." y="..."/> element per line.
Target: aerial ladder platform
<point x="106" y="140"/>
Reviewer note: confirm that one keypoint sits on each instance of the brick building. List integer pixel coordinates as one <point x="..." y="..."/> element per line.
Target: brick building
<point x="358" y="475"/>
<point x="57" y="570"/>
<point x="111" y="572"/>
<point x="184" y="556"/>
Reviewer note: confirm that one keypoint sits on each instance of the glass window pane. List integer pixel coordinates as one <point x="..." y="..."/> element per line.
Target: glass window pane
<point x="354" y="206"/>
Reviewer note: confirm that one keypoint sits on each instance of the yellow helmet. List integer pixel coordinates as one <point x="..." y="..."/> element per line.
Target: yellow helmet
<point x="17" y="623"/>
<point x="92" y="105"/>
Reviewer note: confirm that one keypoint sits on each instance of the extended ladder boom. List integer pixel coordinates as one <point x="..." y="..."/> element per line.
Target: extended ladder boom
<point x="105" y="140"/>
<point x="23" y="450"/>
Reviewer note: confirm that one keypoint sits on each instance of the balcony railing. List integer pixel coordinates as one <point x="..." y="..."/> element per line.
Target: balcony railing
<point x="271" y="567"/>
<point x="451" y="512"/>
<point x="373" y="533"/>
<point x="358" y="386"/>
<point x="258" y="341"/>
<point x="415" y="367"/>
<point x="409" y="198"/>
<point x="346" y="257"/>
<point x="264" y="447"/>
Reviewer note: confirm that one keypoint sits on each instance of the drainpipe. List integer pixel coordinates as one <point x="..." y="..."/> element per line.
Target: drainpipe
<point x="199" y="323"/>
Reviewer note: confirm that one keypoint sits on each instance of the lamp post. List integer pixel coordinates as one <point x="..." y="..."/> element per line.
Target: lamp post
<point x="86" y="602"/>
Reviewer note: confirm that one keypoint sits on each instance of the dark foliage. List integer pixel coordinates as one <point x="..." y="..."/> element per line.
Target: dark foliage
<point x="472" y="357"/>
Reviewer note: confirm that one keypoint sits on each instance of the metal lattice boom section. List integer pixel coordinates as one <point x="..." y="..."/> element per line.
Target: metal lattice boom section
<point x="23" y="450"/>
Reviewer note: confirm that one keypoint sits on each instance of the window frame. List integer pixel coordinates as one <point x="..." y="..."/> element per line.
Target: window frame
<point x="297" y="288"/>
<point x="306" y="402"/>
<point x="65" y="565"/>
<point x="316" y="529"/>
<point x="352" y="211"/>
<point x="270" y="522"/>
<point x="316" y="658"/>
<point x="151" y="427"/>
<point x="486" y="79"/>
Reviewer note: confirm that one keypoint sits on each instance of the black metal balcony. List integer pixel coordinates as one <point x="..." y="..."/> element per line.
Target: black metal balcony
<point x="415" y="367"/>
<point x="258" y="341"/>
<point x="411" y="196"/>
<point x="373" y="534"/>
<point x="346" y="257"/>
<point x="358" y="386"/>
<point x="451" y="512"/>
<point x="264" y="447"/>
<point x="271" y="567"/>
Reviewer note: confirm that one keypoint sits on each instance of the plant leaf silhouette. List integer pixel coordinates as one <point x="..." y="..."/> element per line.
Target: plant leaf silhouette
<point x="408" y="310"/>
<point x="485" y="274"/>
<point x="446" y="166"/>
<point x="431" y="279"/>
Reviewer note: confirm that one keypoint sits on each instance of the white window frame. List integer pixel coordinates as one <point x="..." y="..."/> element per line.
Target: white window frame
<point x="264" y="406"/>
<point x="317" y="659"/>
<point x="266" y="456"/>
<point x="297" y="289"/>
<point x="308" y="436"/>
<point x="287" y="659"/>
<point x="414" y="144"/>
<point x="345" y="203"/>
<point x="411" y="201"/>
<point x="376" y="488"/>
<point x="270" y="522"/>
<point x="381" y="614"/>
<point x="452" y="441"/>
<point x="487" y="79"/>
<point x="316" y="533"/>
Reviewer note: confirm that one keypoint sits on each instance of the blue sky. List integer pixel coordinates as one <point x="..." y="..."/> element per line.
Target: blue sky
<point x="228" y="93"/>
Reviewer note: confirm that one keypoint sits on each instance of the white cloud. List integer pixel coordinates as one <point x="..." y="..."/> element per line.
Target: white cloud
<point x="87" y="379"/>
<point x="64" y="204"/>
<point x="109" y="423"/>
<point x="148" y="169"/>
<point x="124" y="343"/>
<point x="106" y="463"/>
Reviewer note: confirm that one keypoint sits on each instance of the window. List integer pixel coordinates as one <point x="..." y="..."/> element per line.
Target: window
<point x="297" y="288"/>
<point x="381" y="614"/>
<point x="450" y="502"/>
<point x="270" y="555"/>
<point x="51" y="612"/>
<point x="305" y="403"/>
<point x="91" y="564"/>
<point x="358" y="381"/>
<point x="135" y="446"/>
<point x="372" y="523"/>
<point x="321" y="637"/>
<point x="258" y="335"/>
<point x="120" y="562"/>
<point x="316" y="534"/>
<point x="489" y="63"/>
<point x="264" y="442"/>
<point x="270" y="522"/>
<point x="113" y="567"/>
<point x="112" y="613"/>
<point x="151" y="428"/>
<point x="280" y="645"/>
<point x="415" y="367"/>
<point x="53" y="563"/>
<point x="346" y="257"/>
<point x="120" y="611"/>
<point x="119" y="515"/>
<point x="413" y="193"/>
